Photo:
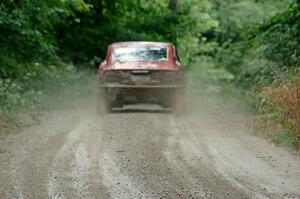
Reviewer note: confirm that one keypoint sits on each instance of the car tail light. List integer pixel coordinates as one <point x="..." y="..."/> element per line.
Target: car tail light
<point x="111" y="76"/>
<point x="168" y="77"/>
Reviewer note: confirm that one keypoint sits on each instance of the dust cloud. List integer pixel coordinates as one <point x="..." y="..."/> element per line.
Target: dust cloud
<point x="144" y="152"/>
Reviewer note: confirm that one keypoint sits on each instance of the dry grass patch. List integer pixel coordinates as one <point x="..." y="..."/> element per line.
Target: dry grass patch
<point x="280" y="113"/>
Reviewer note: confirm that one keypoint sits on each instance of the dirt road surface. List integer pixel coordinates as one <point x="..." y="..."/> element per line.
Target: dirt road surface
<point x="144" y="152"/>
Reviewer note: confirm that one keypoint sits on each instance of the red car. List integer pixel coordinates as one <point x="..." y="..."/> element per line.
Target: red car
<point x="135" y="72"/>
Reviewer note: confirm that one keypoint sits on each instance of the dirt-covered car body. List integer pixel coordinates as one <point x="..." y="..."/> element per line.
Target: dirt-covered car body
<point x="140" y="72"/>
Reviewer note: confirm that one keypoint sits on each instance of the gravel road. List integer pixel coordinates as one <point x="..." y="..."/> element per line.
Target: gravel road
<point x="144" y="152"/>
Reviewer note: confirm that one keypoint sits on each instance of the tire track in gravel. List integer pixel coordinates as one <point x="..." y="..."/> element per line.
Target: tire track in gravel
<point x="187" y="153"/>
<point x="243" y="168"/>
<point x="134" y="154"/>
<point x="70" y="166"/>
<point x="80" y="172"/>
<point x="144" y="154"/>
<point x="120" y="162"/>
<point x="31" y="152"/>
<point x="119" y="184"/>
<point x="234" y="154"/>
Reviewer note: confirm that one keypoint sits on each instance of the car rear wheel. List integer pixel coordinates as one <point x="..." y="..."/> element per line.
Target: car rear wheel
<point x="180" y="102"/>
<point x="103" y="104"/>
<point x="117" y="102"/>
<point x="168" y="103"/>
<point x="167" y="98"/>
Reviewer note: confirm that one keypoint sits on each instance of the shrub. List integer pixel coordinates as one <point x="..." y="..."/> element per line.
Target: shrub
<point x="30" y="90"/>
<point x="281" y="111"/>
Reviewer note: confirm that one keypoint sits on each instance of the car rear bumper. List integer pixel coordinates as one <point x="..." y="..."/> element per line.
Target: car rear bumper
<point x="112" y="85"/>
<point x="127" y="93"/>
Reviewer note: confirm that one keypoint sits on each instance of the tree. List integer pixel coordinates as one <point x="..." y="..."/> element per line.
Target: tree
<point x="174" y="5"/>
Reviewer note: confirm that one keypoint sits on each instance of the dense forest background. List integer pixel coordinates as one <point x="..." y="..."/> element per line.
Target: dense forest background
<point x="253" y="44"/>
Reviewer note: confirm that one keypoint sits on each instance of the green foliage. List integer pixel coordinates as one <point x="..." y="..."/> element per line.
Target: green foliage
<point x="112" y="21"/>
<point x="76" y="30"/>
<point x="278" y="41"/>
<point x="33" y="88"/>
<point x="27" y="28"/>
<point x="218" y="41"/>
<point x="284" y="137"/>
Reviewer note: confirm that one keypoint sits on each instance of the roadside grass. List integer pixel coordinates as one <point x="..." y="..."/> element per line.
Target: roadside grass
<point x="279" y="111"/>
<point x="6" y="127"/>
<point x="23" y="99"/>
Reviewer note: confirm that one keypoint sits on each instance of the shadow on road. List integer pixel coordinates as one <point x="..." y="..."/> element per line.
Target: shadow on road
<point x="142" y="110"/>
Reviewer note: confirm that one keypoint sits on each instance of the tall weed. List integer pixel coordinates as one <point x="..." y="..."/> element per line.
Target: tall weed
<point x="280" y="112"/>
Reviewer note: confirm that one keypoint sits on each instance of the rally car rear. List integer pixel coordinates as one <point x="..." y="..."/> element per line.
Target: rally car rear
<point x="123" y="82"/>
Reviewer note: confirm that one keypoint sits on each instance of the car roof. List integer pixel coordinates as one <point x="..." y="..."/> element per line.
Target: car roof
<point x="140" y="44"/>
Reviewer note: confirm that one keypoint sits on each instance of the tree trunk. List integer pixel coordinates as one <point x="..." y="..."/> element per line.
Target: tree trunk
<point x="174" y="5"/>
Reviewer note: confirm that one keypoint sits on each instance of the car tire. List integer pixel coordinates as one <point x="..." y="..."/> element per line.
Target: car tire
<point x="118" y="102"/>
<point x="104" y="106"/>
<point x="180" y="102"/>
<point x="167" y="99"/>
<point x="167" y="104"/>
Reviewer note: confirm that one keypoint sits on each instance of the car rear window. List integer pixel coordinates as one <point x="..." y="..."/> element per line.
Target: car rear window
<point x="140" y="54"/>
